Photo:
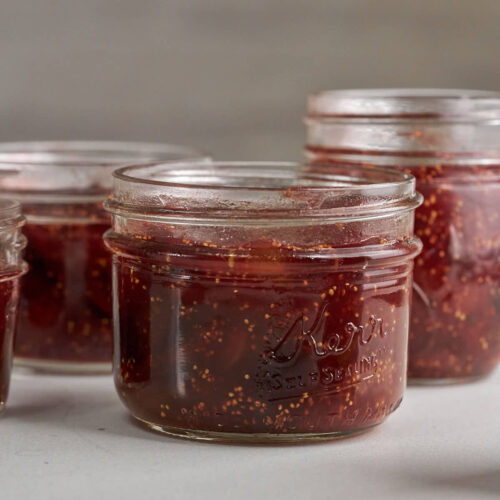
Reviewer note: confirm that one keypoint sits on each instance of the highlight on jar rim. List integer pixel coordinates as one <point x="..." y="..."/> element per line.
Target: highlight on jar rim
<point x="393" y="104"/>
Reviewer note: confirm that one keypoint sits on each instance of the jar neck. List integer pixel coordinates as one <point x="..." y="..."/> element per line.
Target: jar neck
<point x="180" y="249"/>
<point x="405" y="127"/>
<point x="271" y="195"/>
<point x="405" y="140"/>
<point x="270" y="242"/>
<point x="65" y="211"/>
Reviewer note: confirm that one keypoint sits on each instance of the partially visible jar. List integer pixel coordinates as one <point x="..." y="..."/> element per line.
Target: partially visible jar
<point x="261" y="301"/>
<point x="65" y="307"/>
<point x="12" y="267"/>
<point x="450" y="141"/>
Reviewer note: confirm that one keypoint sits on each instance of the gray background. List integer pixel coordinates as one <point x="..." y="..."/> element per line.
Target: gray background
<point x="229" y="76"/>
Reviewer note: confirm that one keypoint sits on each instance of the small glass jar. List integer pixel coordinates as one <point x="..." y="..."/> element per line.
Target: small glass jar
<point x="65" y="307"/>
<point x="450" y="141"/>
<point x="261" y="301"/>
<point x="12" y="267"/>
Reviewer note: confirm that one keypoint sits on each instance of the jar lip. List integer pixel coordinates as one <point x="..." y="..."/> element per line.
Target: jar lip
<point x="404" y="104"/>
<point x="77" y="154"/>
<point x="125" y="174"/>
<point x="259" y="190"/>
<point x="78" y="171"/>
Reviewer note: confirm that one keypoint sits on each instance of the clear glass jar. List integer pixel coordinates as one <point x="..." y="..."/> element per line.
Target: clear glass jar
<point x="12" y="267"/>
<point x="450" y="141"/>
<point x="65" y="308"/>
<point x="261" y="301"/>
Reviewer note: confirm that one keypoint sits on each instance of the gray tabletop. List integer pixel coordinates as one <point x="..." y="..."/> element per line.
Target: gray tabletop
<point x="70" y="437"/>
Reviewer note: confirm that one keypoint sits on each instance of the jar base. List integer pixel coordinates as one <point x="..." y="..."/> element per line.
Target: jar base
<point x="414" y="381"/>
<point x="62" y="367"/>
<point x="247" y="438"/>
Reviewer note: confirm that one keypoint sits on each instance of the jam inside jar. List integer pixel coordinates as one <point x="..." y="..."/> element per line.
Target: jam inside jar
<point x="65" y="306"/>
<point x="260" y="302"/>
<point x="450" y="141"/>
<point x="12" y="267"/>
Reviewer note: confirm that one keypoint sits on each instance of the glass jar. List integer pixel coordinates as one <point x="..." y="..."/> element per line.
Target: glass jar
<point x="65" y="307"/>
<point x="12" y="267"/>
<point x="450" y="141"/>
<point x="261" y="301"/>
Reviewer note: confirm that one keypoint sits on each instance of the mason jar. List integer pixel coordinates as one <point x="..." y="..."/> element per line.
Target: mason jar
<point x="450" y="141"/>
<point x="12" y="267"/>
<point x="65" y="307"/>
<point x="261" y="301"/>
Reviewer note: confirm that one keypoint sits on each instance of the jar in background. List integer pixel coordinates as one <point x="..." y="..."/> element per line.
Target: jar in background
<point x="450" y="141"/>
<point x="65" y="307"/>
<point x="12" y="267"/>
<point x="261" y="301"/>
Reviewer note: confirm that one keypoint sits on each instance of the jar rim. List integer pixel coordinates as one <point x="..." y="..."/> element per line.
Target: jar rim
<point x="65" y="171"/>
<point x="77" y="154"/>
<point x="257" y="191"/>
<point x="126" y="174"/>
<point x="404" y="104"/>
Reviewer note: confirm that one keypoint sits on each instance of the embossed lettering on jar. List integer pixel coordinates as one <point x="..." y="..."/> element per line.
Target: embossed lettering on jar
<point x="12" y="267"/>
<point x="450" y="141"/>
<point x="261" y="301"/>
<point x="65" y="307"/>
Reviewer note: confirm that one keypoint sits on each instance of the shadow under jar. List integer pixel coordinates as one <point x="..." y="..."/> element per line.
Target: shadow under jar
<point x="261" y="301"/>
<point x="450" y="141"/>
<point x="65" y="307"/>
<point x="12" y="267"/>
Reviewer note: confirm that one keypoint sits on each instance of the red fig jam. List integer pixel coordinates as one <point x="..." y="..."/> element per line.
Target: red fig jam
<point x="65" y="308"/>
<point x="282" y="317"/>
<point x="448" y="142"/>
<point x="11" y="268"/>
<point x="455" y="324"/>
<point x="66" y="302"/>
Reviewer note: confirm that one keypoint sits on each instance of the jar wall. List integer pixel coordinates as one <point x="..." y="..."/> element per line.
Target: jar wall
<point x="455" y="327"/>
<point x="9" y="299"/>
<point x="65" y="310"/>
<point x="65" y="306"/>
<point x="279" y="345"/>
<point x="12" y="266"/>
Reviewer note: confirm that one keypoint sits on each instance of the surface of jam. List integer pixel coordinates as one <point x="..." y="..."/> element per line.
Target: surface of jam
<point x="9" y="297"/>
<point x="260" y="338"/>
<point x="65" y="307"/>
<point x="455" y="319"/>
